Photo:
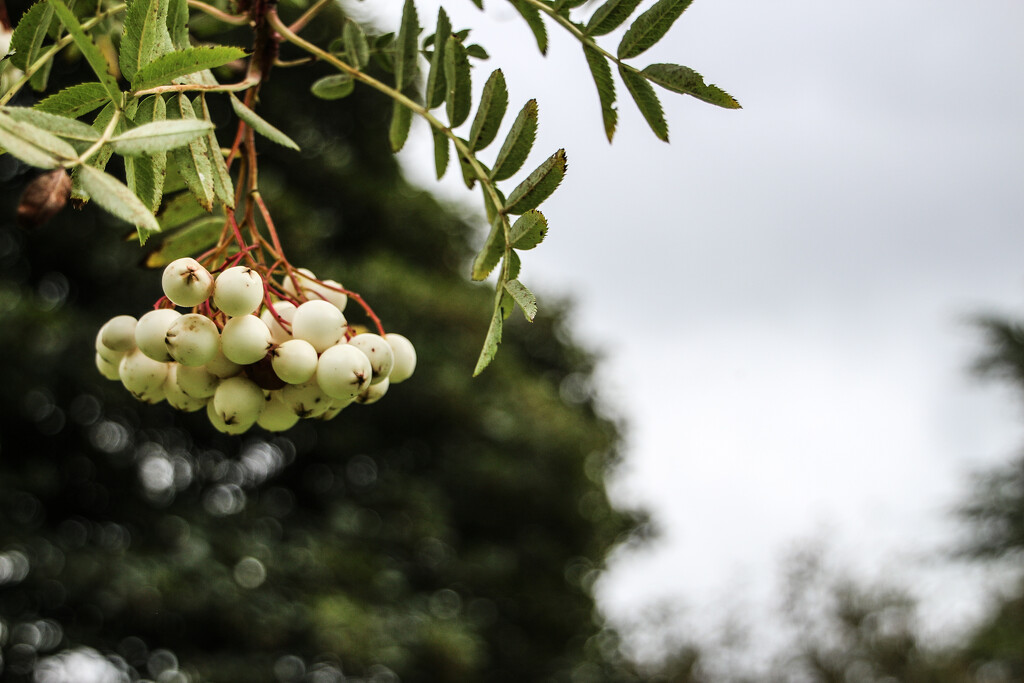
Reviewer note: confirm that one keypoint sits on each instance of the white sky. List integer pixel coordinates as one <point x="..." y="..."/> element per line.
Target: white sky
<point x="780" y="294"/>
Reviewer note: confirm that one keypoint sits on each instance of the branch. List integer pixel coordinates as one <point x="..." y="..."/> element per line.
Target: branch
<point x="233" y="19"/>
<point x="193" y="87"/>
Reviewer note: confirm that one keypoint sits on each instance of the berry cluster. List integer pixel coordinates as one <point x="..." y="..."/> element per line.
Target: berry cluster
<point x="252" y="351"/>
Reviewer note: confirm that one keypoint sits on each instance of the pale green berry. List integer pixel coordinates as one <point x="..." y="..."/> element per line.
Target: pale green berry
<point x="143" y="376"/>
<point x="221" y="426"/>
<point x="286" y="310"/>
<point x="305" y="400"/>
<point x="221" y="367"/>
<point x="238" y="401"/>
<point x="373" y="393"/>
<point x="294" y="361"/>
<point x="108" y="369"/>
<point x="108" y="354"/>
<point x="277" y="416"/>
<point x="193" y="340"/>
<point x="337" y="405"/>
<point x="151" y="332"/>
<point x="118" y="333"/>
<point x="382" y="358"/>
<point x="320" y="323"/>
<point x="245" y="339"/>
<point x="176" y="397"/>
<point x="405" y="357"/>
<point x="197" y="382"/>
<point x="238" y="291"/>
<point x="186" y="283"/>
<point x="343" y="371"/>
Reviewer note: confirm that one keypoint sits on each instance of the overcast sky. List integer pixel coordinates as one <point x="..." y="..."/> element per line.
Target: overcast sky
<point x="802" y="270"/>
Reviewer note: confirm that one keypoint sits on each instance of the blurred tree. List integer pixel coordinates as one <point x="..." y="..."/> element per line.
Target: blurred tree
<point x="451" y="533"/>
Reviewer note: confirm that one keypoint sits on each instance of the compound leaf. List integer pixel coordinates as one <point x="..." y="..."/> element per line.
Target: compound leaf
<point x="458" y="85"/>
<point x="650" y="27"/>
<point x="74" y="101"/>
<point x="166" y="68"/>
<point x="518" y="143"/>
<point x="539" y="185"/>
<point x="646" y="100"/>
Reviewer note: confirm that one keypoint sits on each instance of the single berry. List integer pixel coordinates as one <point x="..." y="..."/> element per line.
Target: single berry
<point x="305" y="400"/>
<point x="277" y="416"/>
<point x="238" y="291"/>
<point x="220" y="366"/>
<point x="118" y="333"/>
<point x="286" y="311"/>
<point x="305" y="278"/>
<point x="108" y="369"/>
<point x="405" y="357"/>
<point x="197" y="382"/>
<point x="193" y="340"/>
<point x="245" y="339"/>
<point x="176" y="397"/>
<point x="108" y="354"/>
<point x="151" y="332"/>
<point x="382" y="358"/>
<point x="186" y="283"/>
<point x="294" y="361"/>
<point x="143" y="376"/>
<point x="238" y="401"/>
<point x="320" y="323"/>
<point x="373" y="393"/>
<point x="343" y="371"/>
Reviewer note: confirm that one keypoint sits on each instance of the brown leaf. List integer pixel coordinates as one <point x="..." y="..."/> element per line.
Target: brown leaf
<point x="43" y="198"/>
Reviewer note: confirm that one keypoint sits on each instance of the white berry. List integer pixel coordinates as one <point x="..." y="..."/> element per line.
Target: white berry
<point x="221" y="367"/>
<point x="118" y="333"/>
<point x="108" y="354"/>
<point x="320" y="323"/>
<point x="326" y="291"/>
<point x="382" y="358"/>
<point x="143" y="376"/>
<point x="238" y="291"/>
<point x="373" y="393"/>
<point x="405" y="357"/>
<point x="245" y="339"/>
<point x="238" y="401"/>
<point x="220" y="425"/>
<point x="277" y="415"/>
<point x="186" y="283"/>
<point x="151" y="332"/>
<point x="294" y="361"/>
<point x="286" y="311"/>
<point x="197" y="382"/>
<point x="107" y="369"/>
<point x="193" y="340"/>
<point x="343" y="371"/>
<point x="337" y="405"/>
<point x="305" y="400"/>
<point x="176" y="397"/>
<point x="305" y="278"/>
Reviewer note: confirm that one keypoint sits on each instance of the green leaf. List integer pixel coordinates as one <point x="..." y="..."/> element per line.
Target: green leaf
<point x="89" y="50"/>
<point x="518" y="143"/>
<point x="538" y="186"/>
<point x="529" y="230"/>
<point x="646" y="100"/>
<point x="60" y="126"/>
<point x="160" y="136"/>
<point x="490" y="112"/>
<point x="177" y="23"/>
<point x="459" y="97"/>
<point x="610" y="16"/>
<point x="115" y="197"/>
<point x="165" y="68"/>
<point x="524" y="297"/>
<point x="145" y="173"/>
<point x="441" y="152"/>
<point x="49" y="148"/>
<point x="682" y="79"/>
<point x="602" y="74"/>
<point x="192" y="160"/>
<point x="145" y="26"/>
<point x="533" y="19"/>
<point x="333" y="87"/>
<point x="401" y="120"/>
<point x="356" y="47"/>
<point x="189" y="241"/>
<point x="490" y="348"/>
<point x="27" y="39"/>
<point x="181" y="209"/>
<point x="223" y="188"/>
<point x="406" y="53"/>
<point x="477" y="51"/>
<point x="492" y="250"/>
<point x="260" y="125"/>
<point x="384" y="51"/>
<point x="650" y="27"/>
<point x="434" y="92"/>
<point x="75" y="101"/>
